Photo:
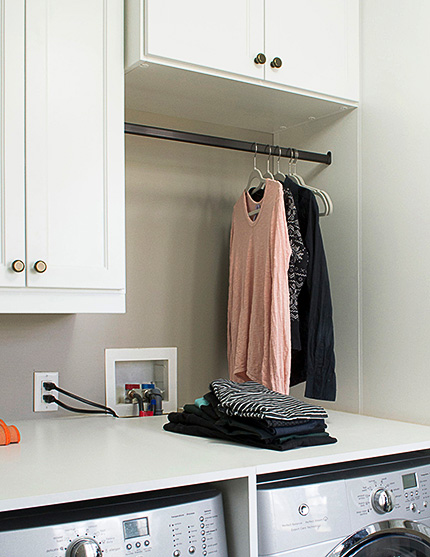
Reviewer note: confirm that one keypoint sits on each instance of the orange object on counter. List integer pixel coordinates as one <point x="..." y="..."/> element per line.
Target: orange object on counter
<point x="9" y="434"/>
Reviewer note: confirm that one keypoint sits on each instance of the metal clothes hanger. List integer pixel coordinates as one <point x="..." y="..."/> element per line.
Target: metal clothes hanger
<point x="291" y="174"/>
<point x="297" y="178"/>
<point x="329" y="203"/>
<point x="255" y="174"/>
<point x="254" y="212"/>
<point x="321" y="194"/>
<point x="279" y="175"/>
<point x="267" y="174"/>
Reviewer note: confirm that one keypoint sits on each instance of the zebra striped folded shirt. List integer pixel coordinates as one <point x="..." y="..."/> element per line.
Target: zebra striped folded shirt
<point x="252" y="400"/>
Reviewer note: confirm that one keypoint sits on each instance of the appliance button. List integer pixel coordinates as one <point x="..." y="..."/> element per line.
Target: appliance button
<point x="146" y="543"/>
<point x="129" y="546"/>
<point x="412" y="493"/>
<point x="203" y="539"/>
<point x="191" y="549"/>
<point x="176" y="553"/>
<point x="205" y="553"/>
<point x="204" y="546"/>
<point x="202" y="532"/>
<point x="303" y="509"/>
<point x="138" y="544"/>
<point x="406" y="495"/>
<point x="416" y="493"/>
<point x="413" y="507"/>
<point x="202" y="525"/>
<point x="201" y="519"/>
<point x="425" y="504"/>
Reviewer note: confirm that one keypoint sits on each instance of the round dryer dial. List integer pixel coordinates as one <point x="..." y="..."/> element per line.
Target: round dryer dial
<point x="84" y="547"/>
<point x="382" y="500"/>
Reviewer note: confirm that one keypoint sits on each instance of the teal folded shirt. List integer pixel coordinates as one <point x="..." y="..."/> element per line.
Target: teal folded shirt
<point x="201" y="402"/>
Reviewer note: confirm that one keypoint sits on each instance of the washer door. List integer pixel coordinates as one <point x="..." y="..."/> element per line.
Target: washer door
<point x="390" y="538"/>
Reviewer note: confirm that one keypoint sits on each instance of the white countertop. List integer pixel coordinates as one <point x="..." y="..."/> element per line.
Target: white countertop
<point x="73" y="458"/>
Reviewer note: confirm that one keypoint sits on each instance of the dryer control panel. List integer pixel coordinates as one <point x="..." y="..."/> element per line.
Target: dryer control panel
<point x="194" y="529"/>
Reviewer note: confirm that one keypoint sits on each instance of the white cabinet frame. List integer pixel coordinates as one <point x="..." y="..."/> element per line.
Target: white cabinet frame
<point x="62" y="156"/>
<point x="12" y="177"/>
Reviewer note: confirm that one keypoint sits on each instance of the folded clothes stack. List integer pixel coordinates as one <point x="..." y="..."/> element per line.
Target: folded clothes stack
<point x="251" y="414"/>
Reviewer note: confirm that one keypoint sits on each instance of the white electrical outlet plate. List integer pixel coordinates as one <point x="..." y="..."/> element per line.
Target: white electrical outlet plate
<point x="39" y="405"/>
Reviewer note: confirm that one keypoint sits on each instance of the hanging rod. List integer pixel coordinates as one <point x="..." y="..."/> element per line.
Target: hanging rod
<point x="225" y="143"/>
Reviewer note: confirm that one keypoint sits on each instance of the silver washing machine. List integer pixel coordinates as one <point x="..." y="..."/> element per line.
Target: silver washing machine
<point x="185" y="523"/>
<point x="369" y="508"/>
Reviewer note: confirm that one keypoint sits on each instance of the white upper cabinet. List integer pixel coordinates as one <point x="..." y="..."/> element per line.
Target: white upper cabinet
<point x="222" y="35"/>
<point x="69" y="228"/>
<point x="74" y="125"/>
<point x="317" y="44"/>
<point x="306" y="45"/>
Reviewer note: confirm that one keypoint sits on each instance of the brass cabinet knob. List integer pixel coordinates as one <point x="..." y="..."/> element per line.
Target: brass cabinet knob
<point x="276" y="63"/>
<point x="18" y="266"/>
<point x="260" y="58"/>
<point x="40" y="266"/>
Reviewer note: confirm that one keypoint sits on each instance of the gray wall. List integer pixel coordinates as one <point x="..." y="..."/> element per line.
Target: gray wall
<point x="179" y="200"/>
<point x="396" y="209"/>
<point x="340" y="233"/>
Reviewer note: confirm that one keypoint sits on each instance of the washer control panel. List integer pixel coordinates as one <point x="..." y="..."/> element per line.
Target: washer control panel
<point x="188" y="529"/>
<point x="298" y="515"/>
<point x="403" y="494"/>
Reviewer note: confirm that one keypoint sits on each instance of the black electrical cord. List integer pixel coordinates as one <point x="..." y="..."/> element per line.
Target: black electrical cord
<point x="49" y="386"/>
<point x="51" y="398"/>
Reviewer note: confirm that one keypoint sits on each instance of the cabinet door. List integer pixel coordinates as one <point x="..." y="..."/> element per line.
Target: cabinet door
<point x="223" y="35"/>
<point x="75" y="143"/>
<point x="12" y="186"/>
<point x="317" y="41"/>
